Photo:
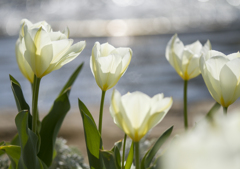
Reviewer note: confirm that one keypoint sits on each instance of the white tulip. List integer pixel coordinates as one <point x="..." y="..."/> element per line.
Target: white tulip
<point x="221" y="74"/>
<point x="43" y="49"/>
<point x="185" y="59"/>
<point x="108" y="64"/>
<point x="207" y="146"/>
<point x="136" y="113"/>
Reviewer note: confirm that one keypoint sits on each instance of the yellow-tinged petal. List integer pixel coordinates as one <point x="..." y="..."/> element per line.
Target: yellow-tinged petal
<point x="108" y="64"/>
<point x="136" y="113"/>
<point x="46" y="50"/>
<point x="221" y="74"/>
<point x="185" y="59"/>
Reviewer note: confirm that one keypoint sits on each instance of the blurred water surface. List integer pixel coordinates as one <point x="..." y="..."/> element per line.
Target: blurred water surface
<point x="143" y="25"/>
<point x="148" y="72"/>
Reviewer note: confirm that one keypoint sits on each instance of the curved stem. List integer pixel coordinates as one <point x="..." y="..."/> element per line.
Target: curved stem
<point x="36" y="85"/>
<point x="101" y="112"/>
<point x="136" y="154"/>
<point x="225" y="110"/>
<point x="123" y="155"/>
<point x="185" y="105"/>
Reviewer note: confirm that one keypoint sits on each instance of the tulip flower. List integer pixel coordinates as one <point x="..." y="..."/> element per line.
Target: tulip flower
<point x="136" y="113"/>
<point x="185" y="60"/>
<point x="39" y="51"/>
<point x="108" y="64"/>
<point x="46" y="50"/>
<point x="221" y="75"/>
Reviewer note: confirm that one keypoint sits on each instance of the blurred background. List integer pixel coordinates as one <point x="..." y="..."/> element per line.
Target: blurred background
<point x="145" y="26"/>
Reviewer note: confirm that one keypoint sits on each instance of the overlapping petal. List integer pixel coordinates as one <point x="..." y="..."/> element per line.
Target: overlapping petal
<point x="136" y="113"/>
<point x="44" y="49"/>
<point x="108" y="64"/>
<point x="185" y="59"/>
<point x="221" y="74"/>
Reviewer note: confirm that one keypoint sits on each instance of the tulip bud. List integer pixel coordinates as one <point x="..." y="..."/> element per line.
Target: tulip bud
<point x="108" y="64"/>
<point x="136" y="113"/>
<point x="185" y="59"/>
<point x="44" y="50"/>
<point x="221" y="74"/>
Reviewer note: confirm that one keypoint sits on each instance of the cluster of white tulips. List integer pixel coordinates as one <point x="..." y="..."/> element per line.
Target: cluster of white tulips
<point x="40" y="50"/>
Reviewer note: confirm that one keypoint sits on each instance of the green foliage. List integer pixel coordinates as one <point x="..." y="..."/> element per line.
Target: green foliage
<point x="212" y="111"/>
<point x="52" y="122"/>
<point x="42" y="143"/>
<point x="147" y="159"/>
<point x="92" y="138"/>
<point x="19" y="99"/>
<point x="13" y="153"/>
<point x="130" y="157"/>
<point x="51" y="125"/>
<point x="28" y="142"/>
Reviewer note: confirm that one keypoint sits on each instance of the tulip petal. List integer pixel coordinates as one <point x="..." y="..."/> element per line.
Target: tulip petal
<point x="106" y="49"/>
<point x="55" y="36"/>
<point x="70" y="55"/>
<point x="229" y="79"/>
<point x="159" y="109"/>
<point x="60" y="47"/>
<point x="22" y="63"/>
<point x="119" y="115"/>
<point x="41" y="39"/>
<point x="43" y="61"/>
<point x="195" y="47"/>
<point x="136" y="105"/>
<point x="174" y="52"/>
<point x="233" y="56"/>
<point x="126" y="55"/>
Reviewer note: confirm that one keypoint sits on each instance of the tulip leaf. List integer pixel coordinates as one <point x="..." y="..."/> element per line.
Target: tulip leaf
<point x="28" y="143"/>
<point x="51" y="125"/>
<point x="72" y="79"/>
<point x="212" y="111"/>
<point x="52" y="122"/>
<point x="108" y="159"/>
<point x="117" y="157"/>
<point x="130" y="157"/>
<point x="13" y="153"/>
<point x="117" y="144"/>
<point x="19" y="98"/>
<point x="147" y="159"/>
<point x="92" y="137"/>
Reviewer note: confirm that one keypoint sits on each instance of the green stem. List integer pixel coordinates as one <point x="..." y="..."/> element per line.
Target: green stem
<point x="136" y="154"/>
<point x="185" y="105"/>
<point x="101" y="112"/>
<point x="36" y="85"/>
<point x="123" y="155"/>
<point x="225" y="110"/>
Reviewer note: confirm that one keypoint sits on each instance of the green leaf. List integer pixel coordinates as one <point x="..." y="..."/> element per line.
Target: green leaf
<point x="19" y="98"/>
<point x="117" y="157"/>
<point x="72" y="79"/>
<point x="212" y="111"/>
<point x="108" y="159"/>
<point x="92" y="137"/>
<point x="130" y="157"/>
<point x="147" y="159"/>
<point x="28" y="143"/>
<point x="117" y="144"/>
<point x="51" y="125"/>
<point x="13" y="153"/>
<point x="52" y="122"/>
